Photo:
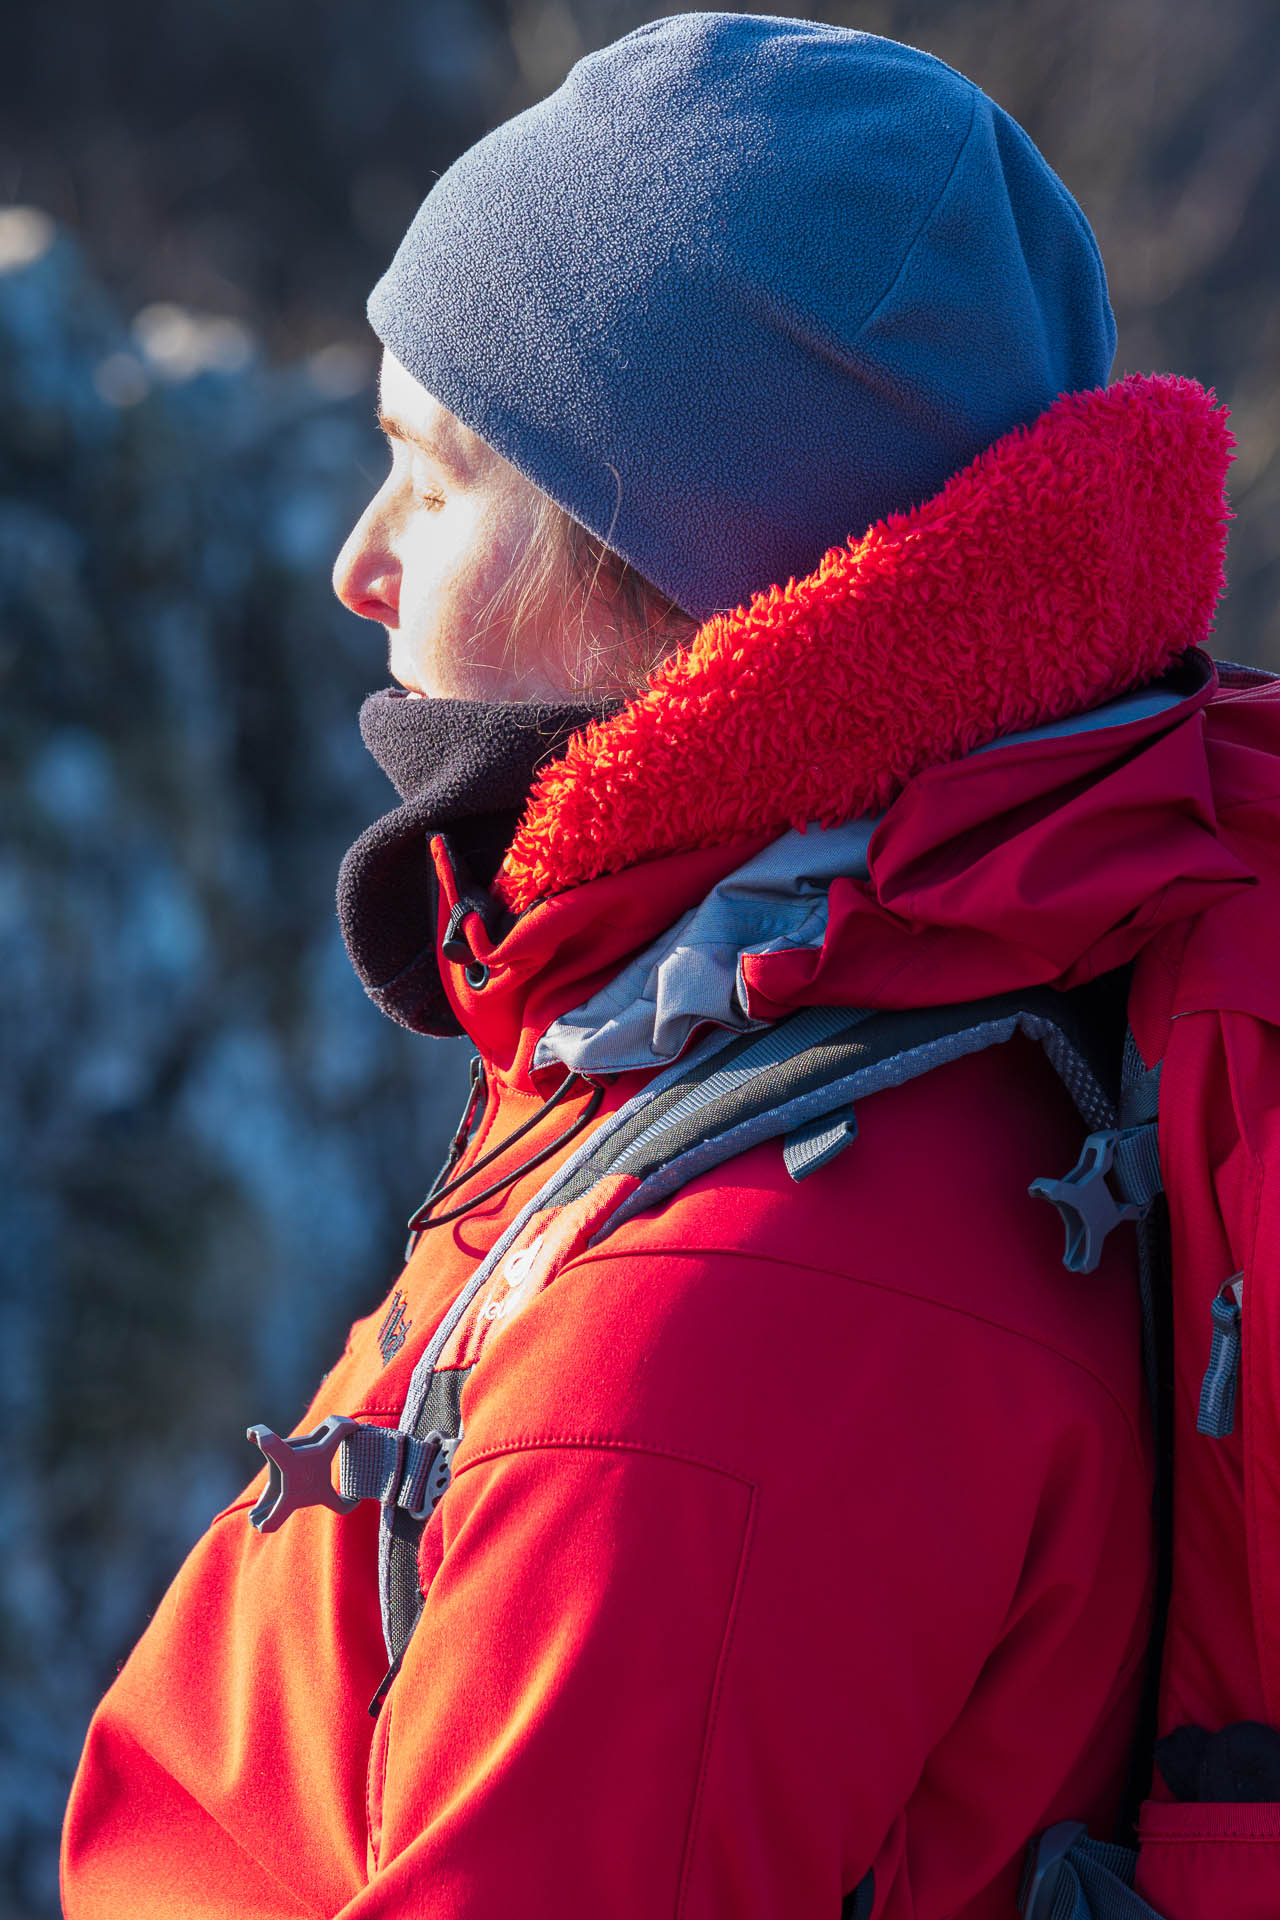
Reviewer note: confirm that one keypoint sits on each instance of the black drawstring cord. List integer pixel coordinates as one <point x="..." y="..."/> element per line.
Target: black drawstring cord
<point x="442" y="1191"/>
<point x="476" y="1089"/>
<point x="462" y="1132"/>
<point x="419" y="1225"/>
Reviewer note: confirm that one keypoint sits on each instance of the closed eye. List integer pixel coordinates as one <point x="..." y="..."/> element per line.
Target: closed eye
<point x="425" y="490"/>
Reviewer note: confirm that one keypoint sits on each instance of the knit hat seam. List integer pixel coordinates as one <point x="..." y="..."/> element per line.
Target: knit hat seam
<point x="927" y="221"/>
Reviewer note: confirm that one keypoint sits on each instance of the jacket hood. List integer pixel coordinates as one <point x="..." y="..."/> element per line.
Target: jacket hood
<point x="928" y="683"/>
<point x="1070" y="561"/>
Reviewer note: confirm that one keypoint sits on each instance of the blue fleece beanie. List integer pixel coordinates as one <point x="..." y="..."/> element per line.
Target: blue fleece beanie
<point x="741" y="286"/>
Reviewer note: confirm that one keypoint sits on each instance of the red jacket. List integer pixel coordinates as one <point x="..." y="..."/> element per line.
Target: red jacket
<point x="799" y="1533"/>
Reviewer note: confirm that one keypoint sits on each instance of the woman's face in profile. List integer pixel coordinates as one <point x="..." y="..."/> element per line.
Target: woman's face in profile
<point x="433" y="549"/>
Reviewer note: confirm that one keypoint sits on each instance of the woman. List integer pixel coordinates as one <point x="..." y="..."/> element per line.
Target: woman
<point x="796" y="1555"/>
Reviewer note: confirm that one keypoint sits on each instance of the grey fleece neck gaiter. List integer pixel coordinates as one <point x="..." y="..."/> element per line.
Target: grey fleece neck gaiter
<point x="464" y="769"/>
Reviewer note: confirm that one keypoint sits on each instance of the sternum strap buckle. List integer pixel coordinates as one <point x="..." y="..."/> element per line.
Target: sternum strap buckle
<point x="374" y="1463"/>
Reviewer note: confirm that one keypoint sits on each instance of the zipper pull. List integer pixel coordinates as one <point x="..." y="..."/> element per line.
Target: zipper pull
<point x="384" y="1686"/>
<point x="1217" y="1415"/>
<point x="475" y="1088"/>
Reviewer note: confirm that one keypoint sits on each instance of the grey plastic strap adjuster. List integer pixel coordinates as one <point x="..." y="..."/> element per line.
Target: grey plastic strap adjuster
<point x="426" y="1475"/>
<point x="299" y="1472"/>
<point x="1086" y="1203"/>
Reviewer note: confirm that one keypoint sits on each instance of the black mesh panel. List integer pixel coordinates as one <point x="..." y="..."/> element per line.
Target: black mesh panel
<point x="441" y="1412"/>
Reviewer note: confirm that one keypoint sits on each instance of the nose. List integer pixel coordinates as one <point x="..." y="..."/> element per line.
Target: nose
<point x="366" y="574"/>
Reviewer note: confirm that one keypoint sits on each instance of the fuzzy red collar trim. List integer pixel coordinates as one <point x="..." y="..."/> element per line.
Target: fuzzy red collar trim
<point x="1074" y="559"/>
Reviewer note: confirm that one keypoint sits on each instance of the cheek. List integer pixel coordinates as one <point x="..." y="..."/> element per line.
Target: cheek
<point x="437" y="558"/>
<point x="468" y="558"/>
<point x="454" y="561"/>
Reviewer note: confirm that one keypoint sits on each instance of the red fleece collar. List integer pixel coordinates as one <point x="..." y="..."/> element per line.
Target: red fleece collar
<point x="1074" y="559"/>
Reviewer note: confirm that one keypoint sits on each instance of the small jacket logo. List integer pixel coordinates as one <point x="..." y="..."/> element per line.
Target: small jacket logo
<point x="512" y="1274"/>
<point x="394" y="1330"/>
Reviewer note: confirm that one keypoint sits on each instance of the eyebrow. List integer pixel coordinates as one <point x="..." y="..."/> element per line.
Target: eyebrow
<point x="396" y="430"/>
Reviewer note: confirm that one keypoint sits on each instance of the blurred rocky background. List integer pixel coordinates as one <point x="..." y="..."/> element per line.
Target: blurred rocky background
<point x="208" y="1138"/>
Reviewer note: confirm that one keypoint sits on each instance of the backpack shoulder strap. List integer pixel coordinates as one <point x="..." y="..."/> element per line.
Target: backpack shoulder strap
<point x="799" y="1082"/>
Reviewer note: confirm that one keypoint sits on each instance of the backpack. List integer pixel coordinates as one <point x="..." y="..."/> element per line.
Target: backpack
<point x="799" y="1082"/>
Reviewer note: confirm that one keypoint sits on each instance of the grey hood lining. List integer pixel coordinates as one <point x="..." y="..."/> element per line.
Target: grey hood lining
<point x="691" y="975"/>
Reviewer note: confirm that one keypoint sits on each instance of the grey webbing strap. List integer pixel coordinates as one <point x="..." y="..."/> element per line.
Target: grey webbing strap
<point x="400" y="1534"/>
<point x="1137" y="1159"/>
<point x="824" y="1058"/>
<point x="1216" y="1415"/>
<point x="808" y="1147"/>
<point x="694" y="1085"/>
<point x="433" y="1401"/>
<point x="801" y="1036"/>
<point x="377" y="1463"/>
<point x="1137" y="1167"/>
<point x="1139" y="1086"/>
<point x="1070" y="1877"/>
<point x="1137" y="1164"/>
<point x="801" y="1084"/>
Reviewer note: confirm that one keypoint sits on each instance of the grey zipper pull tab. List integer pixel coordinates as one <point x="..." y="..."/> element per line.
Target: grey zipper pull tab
<point x="1217" y="1415"/>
